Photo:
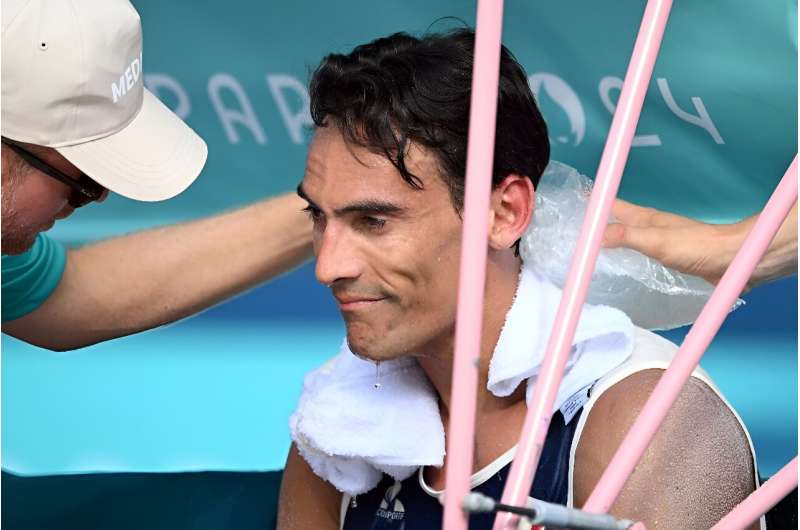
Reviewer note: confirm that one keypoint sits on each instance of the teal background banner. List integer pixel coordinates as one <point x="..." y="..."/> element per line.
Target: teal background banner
<point x="717" y="132"/>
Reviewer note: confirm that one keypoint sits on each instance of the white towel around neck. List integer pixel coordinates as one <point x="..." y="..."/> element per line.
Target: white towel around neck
<point x="351" y="433"/>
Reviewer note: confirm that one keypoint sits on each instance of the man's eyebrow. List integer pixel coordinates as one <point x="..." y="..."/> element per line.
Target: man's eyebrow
<point x="301" y="192"/>
<point x="374" y="207"/>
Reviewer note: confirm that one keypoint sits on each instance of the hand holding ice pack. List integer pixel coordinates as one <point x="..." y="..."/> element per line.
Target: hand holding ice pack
<point x="652" y="295"/>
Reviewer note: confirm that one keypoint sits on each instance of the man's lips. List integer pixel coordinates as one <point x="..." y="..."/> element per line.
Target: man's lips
<point x="351" y="303"/>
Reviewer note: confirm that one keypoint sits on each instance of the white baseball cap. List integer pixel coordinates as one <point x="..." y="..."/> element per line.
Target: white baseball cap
<point x="72" y="80"/>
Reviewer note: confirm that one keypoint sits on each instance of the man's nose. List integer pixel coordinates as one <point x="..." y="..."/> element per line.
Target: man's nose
<point x="103" y="196"/>
<point x="337" y="258"/>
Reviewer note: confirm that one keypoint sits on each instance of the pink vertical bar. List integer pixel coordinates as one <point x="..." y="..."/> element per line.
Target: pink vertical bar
<point x="472" y="276"/>
<point x="761" y="500"/>
<point x="609" y="173"/>
<point x="695" y="344"/>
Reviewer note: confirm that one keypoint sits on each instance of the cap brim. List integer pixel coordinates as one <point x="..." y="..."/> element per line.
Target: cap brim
<point x="155" y="157"/>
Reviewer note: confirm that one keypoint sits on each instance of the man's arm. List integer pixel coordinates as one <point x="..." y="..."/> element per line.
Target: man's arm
<point x="143" y="280"/>
<point x="697" y="468"/>
<point x="698" y="248"/>
<point x="306" y="501"/>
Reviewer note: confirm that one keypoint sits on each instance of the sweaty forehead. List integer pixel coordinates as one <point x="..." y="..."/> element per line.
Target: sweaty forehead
<point x="335" y="165"/>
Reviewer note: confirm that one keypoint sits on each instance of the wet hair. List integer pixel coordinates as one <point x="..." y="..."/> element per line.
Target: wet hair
<point x="401" y="89"/>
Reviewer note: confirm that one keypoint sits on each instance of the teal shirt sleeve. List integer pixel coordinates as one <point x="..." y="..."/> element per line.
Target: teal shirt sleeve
<point x="29" y="278"/>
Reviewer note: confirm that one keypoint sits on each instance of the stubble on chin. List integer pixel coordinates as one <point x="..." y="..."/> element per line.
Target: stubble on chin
<point x="17" y="237"/>
<point x="377" y="347"/>
<point x="17" y="241"/>
<point x="366" y="343"/>
<point x="360" y="345"/>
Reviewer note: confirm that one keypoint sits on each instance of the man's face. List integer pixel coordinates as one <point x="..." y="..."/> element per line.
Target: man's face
<point x="31" y="200"/>
<point x="389" y="252"/>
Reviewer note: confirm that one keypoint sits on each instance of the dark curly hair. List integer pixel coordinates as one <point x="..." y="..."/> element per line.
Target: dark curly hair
<point x="400" y="89"/>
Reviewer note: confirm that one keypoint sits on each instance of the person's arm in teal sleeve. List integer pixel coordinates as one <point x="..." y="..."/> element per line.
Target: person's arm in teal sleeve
<point x="30" y="278"/>
<point x="697" y="248"/>
<point x="143" y="280"/>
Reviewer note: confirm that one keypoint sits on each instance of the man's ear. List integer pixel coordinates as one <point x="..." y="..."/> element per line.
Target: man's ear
<point x="511" y="211"/>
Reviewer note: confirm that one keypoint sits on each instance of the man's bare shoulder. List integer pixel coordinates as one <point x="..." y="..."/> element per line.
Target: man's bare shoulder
<point x="697" y="468"/>
<point x="306" y="501"/>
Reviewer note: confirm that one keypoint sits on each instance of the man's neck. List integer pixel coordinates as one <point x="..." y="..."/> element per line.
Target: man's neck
<point x="498" y="420"/>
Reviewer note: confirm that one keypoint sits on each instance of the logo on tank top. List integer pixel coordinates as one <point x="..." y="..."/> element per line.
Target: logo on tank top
<point x="392" y="513"/>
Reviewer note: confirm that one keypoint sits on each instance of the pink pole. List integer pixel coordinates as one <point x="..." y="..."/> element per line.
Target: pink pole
<point x="609" y="174"/>
<point x="469" y="319"/>
<point x="761" y="500"/>
<point x="695" y="344"/>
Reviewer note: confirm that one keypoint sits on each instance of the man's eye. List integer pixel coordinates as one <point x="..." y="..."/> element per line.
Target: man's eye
<point x="313" y="213"/>
<point x="374" y="223"/>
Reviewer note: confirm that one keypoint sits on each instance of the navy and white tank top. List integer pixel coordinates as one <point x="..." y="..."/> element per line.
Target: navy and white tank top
<point x="413" y="505"/>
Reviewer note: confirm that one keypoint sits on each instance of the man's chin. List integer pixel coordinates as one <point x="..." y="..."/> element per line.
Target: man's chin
<point x="63" y="214"/>
<point x="14" y="244"/>
<point x="361" y="352"/>
<point x="20" y="239"/>
<point x="367" y="349"/>
<point x="375" y="352"/>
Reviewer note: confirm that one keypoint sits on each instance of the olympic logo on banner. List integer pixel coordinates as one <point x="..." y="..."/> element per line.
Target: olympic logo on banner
<point x="550" y="86"/>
